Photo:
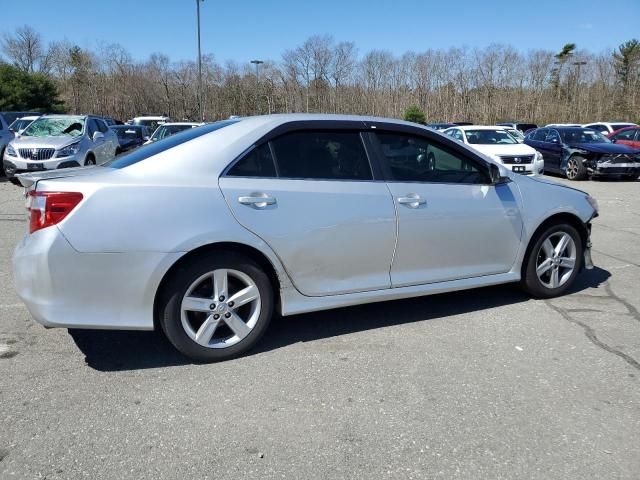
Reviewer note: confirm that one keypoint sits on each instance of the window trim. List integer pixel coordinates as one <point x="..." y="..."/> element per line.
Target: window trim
<point x="480" y="163"/>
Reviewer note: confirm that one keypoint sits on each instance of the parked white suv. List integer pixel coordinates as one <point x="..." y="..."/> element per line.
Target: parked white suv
<point x="500" y="145"/>
<point x="60" y="141"/>
<point x="606" y="128"/>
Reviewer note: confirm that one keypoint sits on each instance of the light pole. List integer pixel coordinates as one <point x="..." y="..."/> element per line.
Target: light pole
<point x="257" y="64"/>
<point x="578" y="64"/>
<point x="200" y="103"/>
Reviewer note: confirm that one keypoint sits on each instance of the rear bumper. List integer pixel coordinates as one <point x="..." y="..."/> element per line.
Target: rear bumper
<point x="64" y="288"/>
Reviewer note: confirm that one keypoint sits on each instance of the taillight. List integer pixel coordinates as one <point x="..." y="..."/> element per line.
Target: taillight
<point x="49" y="208"/>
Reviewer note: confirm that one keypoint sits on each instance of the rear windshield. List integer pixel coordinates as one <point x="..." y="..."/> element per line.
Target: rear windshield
<point x="523" y="127"/>
<point x="160" y="146"/>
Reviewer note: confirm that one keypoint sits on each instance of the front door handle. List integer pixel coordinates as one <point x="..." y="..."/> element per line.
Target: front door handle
<point x="412" y="200"/>
<point x="257" y="200"/>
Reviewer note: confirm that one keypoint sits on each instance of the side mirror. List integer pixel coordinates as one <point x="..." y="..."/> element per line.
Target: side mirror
<point x="494" y="174"/>
<point x="97" y="136"/>
<point x="614" y="140"/>
<point x="146" y="138"/>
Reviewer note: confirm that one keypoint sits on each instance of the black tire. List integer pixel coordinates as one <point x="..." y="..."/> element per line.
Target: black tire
<point x="90" y="160"/>
<point x="176" y="287"/>
<point x="631" y="178"/>
<point x="576" y="170"/>
<point x="2" y="172"/>
<point x="530" y="281"/>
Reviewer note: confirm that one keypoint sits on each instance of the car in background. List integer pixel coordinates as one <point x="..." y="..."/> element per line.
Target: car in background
<point x="520" y="126"/>
<point x="60" y="141"/>
<point x="626" y="136"/>
<point x="168" y="129"/>
<point x="130" y="136"/>
<point x="6" y="134"/>
<point x="608" y="127"/>
<point x="149" y="121"/>
<point x="578" y="153"/>
<point x="19" y="124"/>
<point x="497" y="143"/>
<point x="286" y="214"/>
<point x="440" y="126"/>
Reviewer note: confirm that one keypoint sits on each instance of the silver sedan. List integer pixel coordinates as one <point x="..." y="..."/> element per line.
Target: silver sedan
<point x="206" y="233"/>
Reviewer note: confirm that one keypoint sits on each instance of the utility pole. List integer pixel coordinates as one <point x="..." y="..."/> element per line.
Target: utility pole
<point x="200" y="102"/>
<point x="578" y="64"/>
<point x="257" y="64"/>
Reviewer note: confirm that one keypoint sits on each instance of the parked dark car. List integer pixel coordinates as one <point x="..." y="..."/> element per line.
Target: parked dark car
<point x="578" y="153"/>
<point x="441" y="126"/>
<point x="626" y="136"/>
<point x="130" y="136"/>
<point x="522" y="126"/>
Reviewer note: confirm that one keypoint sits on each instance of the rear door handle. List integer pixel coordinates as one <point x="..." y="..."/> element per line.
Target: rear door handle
<point x="412" y="200"/>
<point x="257" y="200"/>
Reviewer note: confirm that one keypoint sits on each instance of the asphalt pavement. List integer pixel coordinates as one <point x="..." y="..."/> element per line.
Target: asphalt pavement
<point x="482" y="384"/>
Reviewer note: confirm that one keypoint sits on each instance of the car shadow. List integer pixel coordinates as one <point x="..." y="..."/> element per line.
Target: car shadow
<point x="110" y="350"/>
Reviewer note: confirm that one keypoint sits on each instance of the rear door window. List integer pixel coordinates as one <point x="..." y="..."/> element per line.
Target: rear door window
<point x="258" y="162"/>
<point x="322" y="155"/>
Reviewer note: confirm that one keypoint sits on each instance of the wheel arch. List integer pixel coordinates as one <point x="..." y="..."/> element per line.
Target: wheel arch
<point x="561" y="217"/>
<point x="251" y="252"/>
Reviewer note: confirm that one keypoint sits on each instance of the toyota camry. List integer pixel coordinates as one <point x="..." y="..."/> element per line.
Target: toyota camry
<point x="208" y="233"/>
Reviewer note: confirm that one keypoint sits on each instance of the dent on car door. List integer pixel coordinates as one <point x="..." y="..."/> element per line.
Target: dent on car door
<point x="310" y="196"/>
<point x="451" y="223"/>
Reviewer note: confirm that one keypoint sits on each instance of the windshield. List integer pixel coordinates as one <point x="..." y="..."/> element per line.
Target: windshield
<point x="517" y="134"/>
<point x="489" y="137"/>
<point x="55" y="127"/>
<point x="582" y="135"/>
<point x="19" y="124"/>
<point x="164" y="131"/>
<point x="127" y="133"/>
<point x="160" y="146"/>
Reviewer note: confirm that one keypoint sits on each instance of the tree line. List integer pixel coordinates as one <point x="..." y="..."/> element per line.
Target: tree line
<point x="483" y="85"/>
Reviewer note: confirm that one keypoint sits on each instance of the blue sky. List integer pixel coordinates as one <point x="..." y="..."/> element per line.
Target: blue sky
<point x="242" y="30"/>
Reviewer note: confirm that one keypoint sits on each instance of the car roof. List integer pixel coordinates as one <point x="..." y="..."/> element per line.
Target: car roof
<point x="180" y="123"/>
<point x="481" y="127"/>
<point x="29" y="117"/>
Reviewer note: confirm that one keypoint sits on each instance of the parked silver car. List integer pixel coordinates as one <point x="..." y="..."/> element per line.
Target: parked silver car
<point x="60" y="141"/>
<point x="205" y="233"/>
<point x="6" y="134"/>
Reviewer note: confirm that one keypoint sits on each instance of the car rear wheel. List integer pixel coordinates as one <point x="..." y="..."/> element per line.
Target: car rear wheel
<point x="576" y="169"/>
<point x="553" y="261"/>
<point x="91" y="160"/>
<point x="216" y="307"/>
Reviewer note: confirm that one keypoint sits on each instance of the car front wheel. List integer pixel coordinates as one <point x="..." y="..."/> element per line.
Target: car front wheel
<point x="216" y="307"/>
<point x="576" y="169"/>
<point x="553" y="262"/>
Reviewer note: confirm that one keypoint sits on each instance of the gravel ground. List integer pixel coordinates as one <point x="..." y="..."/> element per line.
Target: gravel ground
<point x="484" y="384"/>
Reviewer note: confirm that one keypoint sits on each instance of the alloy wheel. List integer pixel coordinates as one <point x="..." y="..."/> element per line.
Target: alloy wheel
<point x="220" y="308"/>
<point x="556" y="260"/>
<point x="572" y="169"/>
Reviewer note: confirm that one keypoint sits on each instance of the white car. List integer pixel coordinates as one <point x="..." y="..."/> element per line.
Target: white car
<point x="203" y="235"/>
<point x="608" y="127"/>
<point x="149" y="121"/>
<point x="498" y="144"/>
<point x="167" y="129"/>
<point x="60" y="141"/>
<point x="19" y="124"/>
